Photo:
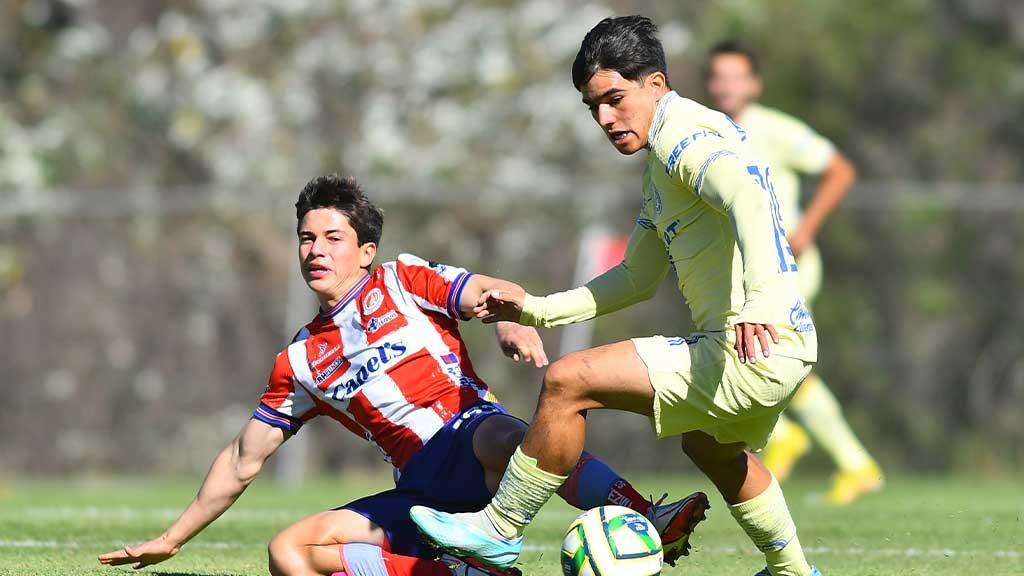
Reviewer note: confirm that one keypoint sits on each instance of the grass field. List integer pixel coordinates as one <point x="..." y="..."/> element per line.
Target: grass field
<point x="920" y="526"/>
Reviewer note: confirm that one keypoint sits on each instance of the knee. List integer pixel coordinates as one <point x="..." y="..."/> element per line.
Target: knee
<point x="563" y="379"/>
<point x="285" y="558"/>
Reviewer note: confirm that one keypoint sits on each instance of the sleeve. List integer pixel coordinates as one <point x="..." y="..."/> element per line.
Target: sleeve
<point x="434" y="287"/>
<point x="284" y="404"/>
<point x="635" y="279"/>
<point x="805" y="150"/>
<point x="742" y="191"/>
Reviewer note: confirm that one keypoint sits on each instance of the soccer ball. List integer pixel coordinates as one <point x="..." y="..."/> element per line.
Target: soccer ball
<point x="611" y="541"/>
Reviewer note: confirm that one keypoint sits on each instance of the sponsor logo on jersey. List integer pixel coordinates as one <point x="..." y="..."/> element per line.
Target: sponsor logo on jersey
<point x="372" y="301"/>
<point x="323" y="353"/>
<point x="323" y="375"/>
<point x="384" y="355"/>
<point x="673" y="158"/>
<point x="439" y="267"/>
<point x="377" y="323"/>
<point x="800" y="317"/>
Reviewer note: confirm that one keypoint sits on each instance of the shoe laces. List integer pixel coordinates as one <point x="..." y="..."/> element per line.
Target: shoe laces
<point x="652" y="512"/>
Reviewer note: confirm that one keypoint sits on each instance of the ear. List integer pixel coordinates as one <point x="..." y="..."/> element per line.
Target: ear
<point x="367" y="252"/>
<point x="656" y="81"/>
<point x="758" y="86"/>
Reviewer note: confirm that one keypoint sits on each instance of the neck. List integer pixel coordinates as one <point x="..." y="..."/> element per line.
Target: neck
<point x="330" y="300"/>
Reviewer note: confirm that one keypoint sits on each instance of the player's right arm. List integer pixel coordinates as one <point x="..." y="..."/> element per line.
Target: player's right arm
<point x="232" y="471"/>
<point x="633" y="280"/>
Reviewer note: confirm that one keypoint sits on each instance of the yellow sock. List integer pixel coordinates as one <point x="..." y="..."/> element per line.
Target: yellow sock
<point x="766" y="520"/>
<point x="821" y="415"/>
<point x="523" y="491"/>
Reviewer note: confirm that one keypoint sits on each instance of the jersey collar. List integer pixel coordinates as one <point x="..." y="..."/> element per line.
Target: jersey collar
<point x="659" y="117"/>
<point x="348" y="297"/>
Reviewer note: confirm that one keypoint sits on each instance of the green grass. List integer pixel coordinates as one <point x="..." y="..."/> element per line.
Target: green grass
<point x="920" y="526"/>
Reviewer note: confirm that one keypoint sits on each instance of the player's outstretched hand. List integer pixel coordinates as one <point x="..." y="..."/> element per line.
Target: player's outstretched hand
<point x="745" y="335"/>
<point x="500" y="305"/>
<point x="521" y="343"/>
<point x="152" y="552"/>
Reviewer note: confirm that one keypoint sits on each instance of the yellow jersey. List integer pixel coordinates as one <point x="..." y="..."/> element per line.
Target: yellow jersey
<point x="709" y="212"/>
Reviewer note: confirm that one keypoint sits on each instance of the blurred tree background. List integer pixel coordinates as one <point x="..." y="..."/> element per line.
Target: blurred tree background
<point x="150" y="153"/>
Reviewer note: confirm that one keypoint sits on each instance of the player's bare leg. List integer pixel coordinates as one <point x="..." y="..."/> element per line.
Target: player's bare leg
<point x="738" y="474"/>
<point x="755" y="500"/>
<point x="494" y="442"/>
<point x="313" y="545"/>
<point x="343" y="542"/>
<point x="608" y="377"/>
<point x="611" y="376"/>
<point x="593" y="483"/>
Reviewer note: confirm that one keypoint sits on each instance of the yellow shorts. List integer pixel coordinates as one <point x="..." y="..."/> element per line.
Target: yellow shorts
<point x="810" y="271"/>
<point x="699" y="384"/>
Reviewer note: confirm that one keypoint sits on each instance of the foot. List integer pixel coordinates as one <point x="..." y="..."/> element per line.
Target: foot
<point x="850" y="485"/>
<point x="474" y="567"/>
<point x="676" y="521"/>
<point x="765" y="572"/>
<point x="787" y="445"/>
<point x="463" y="538"/>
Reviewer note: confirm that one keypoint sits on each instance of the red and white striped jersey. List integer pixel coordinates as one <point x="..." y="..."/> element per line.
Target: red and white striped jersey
<point x="387" y="361"/>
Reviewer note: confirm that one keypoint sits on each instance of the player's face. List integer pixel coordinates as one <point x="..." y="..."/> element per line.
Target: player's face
<point x="732" y="84"/>
<point x="623" y="108"/>
<point x="330" y="255"/>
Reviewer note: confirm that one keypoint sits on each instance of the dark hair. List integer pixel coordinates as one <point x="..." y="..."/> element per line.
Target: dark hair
<point x="739" y="48"/>
<point x="345" y="196"/>
<point x="628" y="45"/>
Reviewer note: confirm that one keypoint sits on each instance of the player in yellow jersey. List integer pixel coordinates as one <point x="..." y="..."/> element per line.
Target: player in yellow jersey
<point x="792" y="149"/>
<point x="709" y="212"/>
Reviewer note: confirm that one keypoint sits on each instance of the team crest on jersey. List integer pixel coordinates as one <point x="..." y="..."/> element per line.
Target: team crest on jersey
<point x="372" y="301"/>
<point x="658" y="206"/>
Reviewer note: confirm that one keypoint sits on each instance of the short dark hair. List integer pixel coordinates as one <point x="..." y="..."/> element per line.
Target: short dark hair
<point x="738" y="48"/>
<point x="628" y="45"/>
<point x="345" y="196"/>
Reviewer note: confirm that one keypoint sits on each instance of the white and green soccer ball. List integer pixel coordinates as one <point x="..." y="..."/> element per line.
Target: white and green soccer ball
<point x="611" y="541"/>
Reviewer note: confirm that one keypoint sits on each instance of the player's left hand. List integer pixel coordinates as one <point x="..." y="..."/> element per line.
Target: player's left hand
<point x="500" y="305"/>
<point x="153" y="552"/>
<point x="521" y="343"/>
<point x="799" y="240"/>
<point x="745" y="334"/>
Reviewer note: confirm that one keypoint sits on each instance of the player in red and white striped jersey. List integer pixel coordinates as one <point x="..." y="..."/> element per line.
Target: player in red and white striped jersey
<point x="385" y="359"/>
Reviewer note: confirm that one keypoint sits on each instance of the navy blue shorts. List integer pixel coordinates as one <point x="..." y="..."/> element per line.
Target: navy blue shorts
<point x="444" y="475"/>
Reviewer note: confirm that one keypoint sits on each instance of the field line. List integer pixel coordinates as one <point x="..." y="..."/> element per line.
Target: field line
<point x="716" y="550"/>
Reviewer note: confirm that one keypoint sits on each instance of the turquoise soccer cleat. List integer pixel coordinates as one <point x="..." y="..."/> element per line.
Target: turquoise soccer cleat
<point x="462" y="539"/>
<point x="765" y="572"/>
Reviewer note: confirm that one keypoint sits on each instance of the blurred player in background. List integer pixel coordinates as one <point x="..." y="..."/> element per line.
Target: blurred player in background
<point x="792" y="149"/>
<point x="384" y="358"/>
<point x="709" y="213"/>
